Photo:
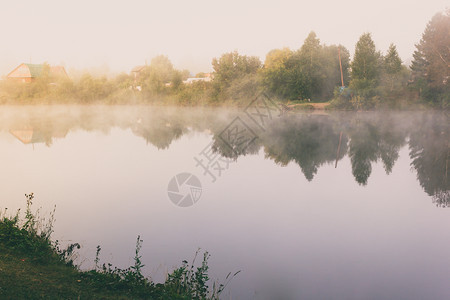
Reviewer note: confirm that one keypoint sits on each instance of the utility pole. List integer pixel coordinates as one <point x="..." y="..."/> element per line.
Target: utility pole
<point x="340" y="65"/>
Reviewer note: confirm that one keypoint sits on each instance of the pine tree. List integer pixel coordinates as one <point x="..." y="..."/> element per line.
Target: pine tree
<point x="365" y="66"/>
<point x="309" y="56"/>
<point x="430" y="67"/>
<point x="418" y="70"/>
<point x="392" y="65"/>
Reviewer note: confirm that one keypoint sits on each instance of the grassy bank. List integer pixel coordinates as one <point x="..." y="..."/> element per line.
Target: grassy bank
<point x="23" y="278"/>
<point x="32" y="266"/>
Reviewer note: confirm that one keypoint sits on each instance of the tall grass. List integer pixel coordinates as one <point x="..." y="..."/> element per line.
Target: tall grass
<point x="30" y="235"/>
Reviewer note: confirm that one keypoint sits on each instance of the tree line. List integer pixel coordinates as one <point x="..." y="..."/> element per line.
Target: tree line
<point x="311" y="73"/>
<point x="371" y="79"/>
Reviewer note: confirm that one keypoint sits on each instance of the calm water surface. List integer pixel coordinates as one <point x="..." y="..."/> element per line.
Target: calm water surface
<point x="317" y="206"/>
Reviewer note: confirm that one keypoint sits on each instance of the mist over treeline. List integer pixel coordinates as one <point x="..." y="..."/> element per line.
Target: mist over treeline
<point x="372" y="79"/>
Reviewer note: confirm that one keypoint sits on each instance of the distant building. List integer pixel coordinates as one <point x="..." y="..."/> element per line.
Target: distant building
<point x="136" y="73"/>
<point x="207" y="77"/>
<point x="29" y="72"/>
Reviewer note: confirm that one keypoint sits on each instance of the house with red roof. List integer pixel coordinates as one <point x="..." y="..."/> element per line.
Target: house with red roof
<point x="29" y="72"/>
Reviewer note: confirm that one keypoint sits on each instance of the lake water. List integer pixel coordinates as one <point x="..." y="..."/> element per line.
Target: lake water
<point x="307" y="206"/>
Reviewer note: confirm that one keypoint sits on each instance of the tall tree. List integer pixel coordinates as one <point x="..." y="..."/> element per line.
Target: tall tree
<point x="231" y="67"/>
<point x="311" y="72"/>
<point x="418" y="71"/>
<point x="282" y="75"/>
<point x="311" y="64"/>
<point x="430" y="66"/>
<point x="365" y="66"/>
<point x="331" y="70"/>
<point x="157" y="74"/>
<point x="392" y="65"/>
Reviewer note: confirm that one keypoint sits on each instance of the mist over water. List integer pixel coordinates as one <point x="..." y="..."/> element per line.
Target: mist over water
<point x="331" y="205"/>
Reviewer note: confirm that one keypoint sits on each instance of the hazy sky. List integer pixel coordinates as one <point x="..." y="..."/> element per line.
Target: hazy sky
<point x="121" y="34"/>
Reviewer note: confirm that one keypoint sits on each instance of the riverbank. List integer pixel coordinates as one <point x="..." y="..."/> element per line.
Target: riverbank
<point x="32" y="266"/>
<point x="23" y="278"/>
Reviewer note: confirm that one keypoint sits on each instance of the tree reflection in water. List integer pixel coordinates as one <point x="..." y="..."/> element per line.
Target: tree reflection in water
<point x="310" y="141"/>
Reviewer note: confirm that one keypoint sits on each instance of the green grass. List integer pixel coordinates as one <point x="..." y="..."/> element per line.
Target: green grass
<point x="32" y="266"/>
<point x="23" y="278"/>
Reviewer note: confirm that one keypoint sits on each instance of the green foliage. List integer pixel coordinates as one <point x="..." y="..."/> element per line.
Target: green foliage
<point x="312" y="72"/>
<point x="376" y="81"/>
<point x="155" y="76"/>
<point x="195" y="93"/>
<point x="138" y="265"/>
<point x="431" y="61"/>
<point x="276" y="73"/>
<point x="231" y="68"/>
<point x="193" y="284"/>
<point x="392" y="66"/>
<point x="90" y="89"/>
<point x="309" y="73"/>
<point x="366" y="67"/>
<point x="284" y="76"/>
<point x="331" y="70"/>
<point x="31" y="238"/>
<point x="309" y="58"/>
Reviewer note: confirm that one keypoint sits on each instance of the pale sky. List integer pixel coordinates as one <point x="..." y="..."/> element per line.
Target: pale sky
<point x="122" y="34"/>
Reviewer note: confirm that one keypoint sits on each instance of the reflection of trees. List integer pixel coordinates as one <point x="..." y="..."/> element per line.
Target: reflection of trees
<point x="159" y="126"/>
<point x="246" y="144"/>
<point x="362" y="152"/>
<point x="308" y="141"/>
<point x="372" y="139"/>
<point x="430" y="154"/>
<point x="159" y="132"/>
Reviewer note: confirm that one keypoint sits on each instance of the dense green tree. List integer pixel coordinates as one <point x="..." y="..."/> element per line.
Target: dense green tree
<point x="312" y="72"/>
<point x="275" y="72"/>
<point x="230" y="68"/>
<point x="91" y="89"/>
<point x="123" y="81"/>
<point x="366" y="67"/>
<point x="418" y="71"/>
<point x="284" y="75"/>
<point x="392" y="66"/>
<point x="431" y="62"/>
<point x="331" y="69"/>
<point x="154" y="77"/>
<point x="176" y="80"/>
<point x="312" y="65"/>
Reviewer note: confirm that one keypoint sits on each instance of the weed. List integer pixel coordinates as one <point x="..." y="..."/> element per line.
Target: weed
<point x="32" y="238"/>
<point x="97" y="257"/>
